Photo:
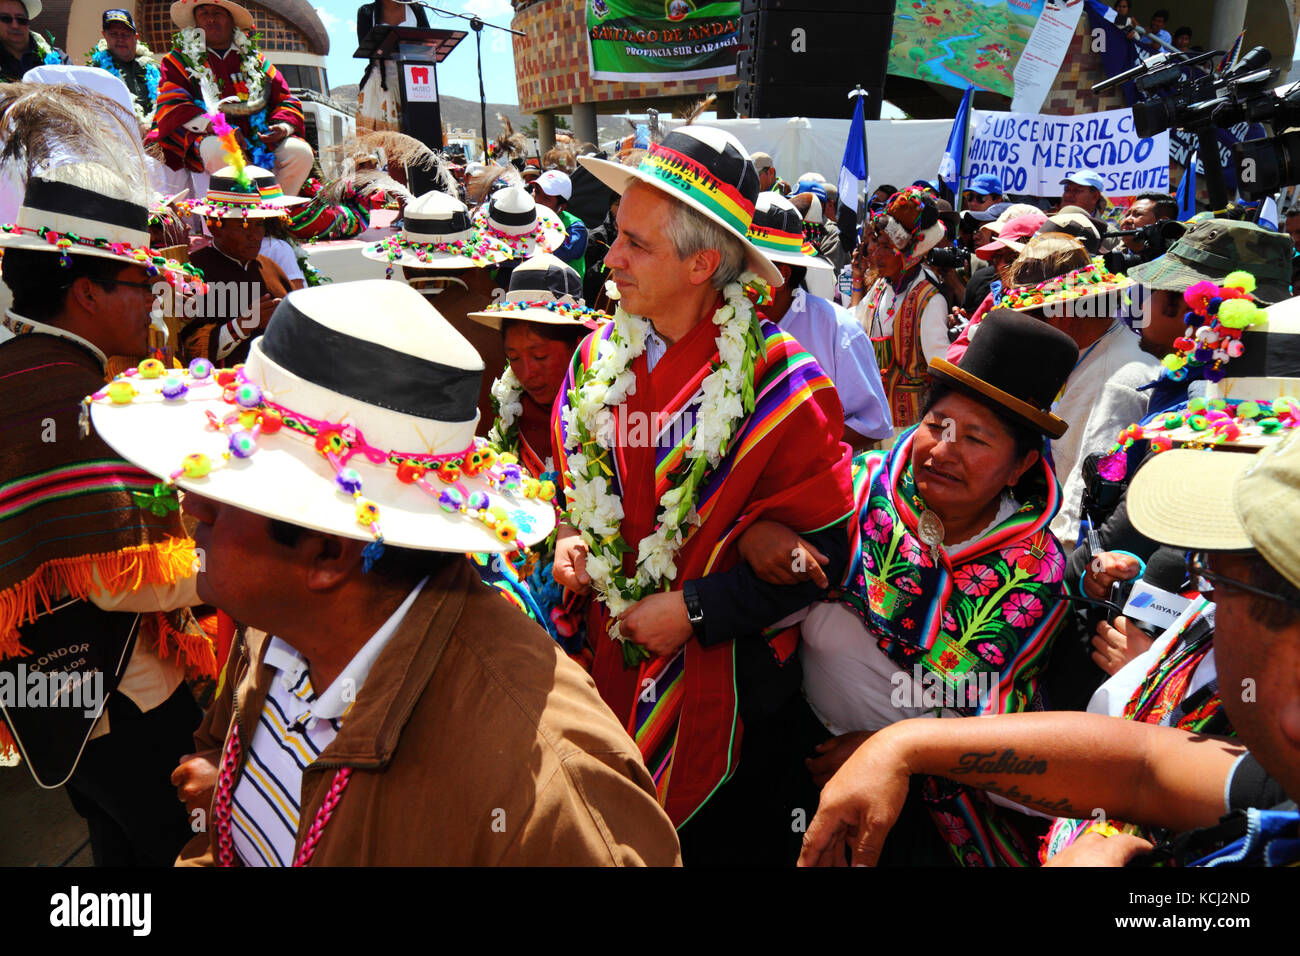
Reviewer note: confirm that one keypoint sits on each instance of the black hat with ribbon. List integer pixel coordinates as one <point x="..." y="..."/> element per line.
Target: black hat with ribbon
<point x="1017" y="363"/>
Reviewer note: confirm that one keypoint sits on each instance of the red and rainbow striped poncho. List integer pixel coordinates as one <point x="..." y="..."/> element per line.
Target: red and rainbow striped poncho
<point x="786" y="464"/>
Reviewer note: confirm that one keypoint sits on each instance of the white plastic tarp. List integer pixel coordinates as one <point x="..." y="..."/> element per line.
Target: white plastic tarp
<point x="899" y="152"/>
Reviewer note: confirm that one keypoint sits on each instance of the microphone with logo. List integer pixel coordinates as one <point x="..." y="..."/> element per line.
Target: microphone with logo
<point x="1162" y="594"/>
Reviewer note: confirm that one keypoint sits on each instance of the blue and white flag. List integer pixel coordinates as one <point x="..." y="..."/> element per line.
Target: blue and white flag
<point x="1187" y="192"/>
<point x="1268" y="215"/>
<point x="954" y="154"/>
<point x="853" y="179"/>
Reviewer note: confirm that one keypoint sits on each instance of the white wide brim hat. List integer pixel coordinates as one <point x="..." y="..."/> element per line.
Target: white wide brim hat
<point x="545" y="289"/>
<point x="183" y="13"/>
<point x="546" y="233"/>
<point x="702" y="167"/>
<point x="400" y="384"/>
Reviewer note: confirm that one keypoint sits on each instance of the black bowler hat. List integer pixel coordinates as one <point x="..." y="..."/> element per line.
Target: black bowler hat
<point x="1017" y="362"/>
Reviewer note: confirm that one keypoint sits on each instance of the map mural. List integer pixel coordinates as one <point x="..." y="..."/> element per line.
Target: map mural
<point x="960" y="42"/>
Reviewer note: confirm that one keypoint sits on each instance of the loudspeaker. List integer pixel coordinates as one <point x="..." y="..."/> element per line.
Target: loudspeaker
<point x="802" y="57"/>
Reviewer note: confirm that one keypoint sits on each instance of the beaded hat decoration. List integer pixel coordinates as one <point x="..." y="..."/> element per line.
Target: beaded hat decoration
<point x="1216" y="318"/>
<point x="244" y="193"/>
<point x="58" y="215"/>
<point x="437" y="233"/>
<point x="1066" y="291"/>
<point x="514" y="217"/>
<point x="336" y="423"/>
<point x="546" y="289"/>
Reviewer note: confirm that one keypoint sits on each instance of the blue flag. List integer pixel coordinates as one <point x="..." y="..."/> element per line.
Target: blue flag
<point x="1187" y="191"/>
<point x="853" y="176"/>
<point x="954" y="155"/>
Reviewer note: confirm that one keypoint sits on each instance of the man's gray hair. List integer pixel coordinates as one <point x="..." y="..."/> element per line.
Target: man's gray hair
<point x="691" y="232"/>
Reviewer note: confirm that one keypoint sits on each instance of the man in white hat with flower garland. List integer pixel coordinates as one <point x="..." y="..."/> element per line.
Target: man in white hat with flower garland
<point x="390" y="708"/>
<point x="216" y="61"/>
<point x="21" y="47"/>
<point x="121" y="53"/>
<point x="682" y="423"/>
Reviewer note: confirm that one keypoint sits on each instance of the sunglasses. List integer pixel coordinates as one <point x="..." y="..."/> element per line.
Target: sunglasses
<point x="1205" y="580"/>
<point x="8" y="18"/>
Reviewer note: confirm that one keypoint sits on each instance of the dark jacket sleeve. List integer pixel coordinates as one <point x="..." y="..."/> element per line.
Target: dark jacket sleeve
<point x="738" y="604"/>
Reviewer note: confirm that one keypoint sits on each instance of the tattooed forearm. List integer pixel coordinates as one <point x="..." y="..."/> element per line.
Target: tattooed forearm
<point x="1060" y="808"/>
<point x="997" y="761"/>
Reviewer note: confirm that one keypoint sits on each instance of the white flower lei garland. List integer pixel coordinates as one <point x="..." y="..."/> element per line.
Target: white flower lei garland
<point x="194" y="49"/>
<point x="101" y="58"/>
<point x="506" y="395"/>
<point x="589" y="433"/>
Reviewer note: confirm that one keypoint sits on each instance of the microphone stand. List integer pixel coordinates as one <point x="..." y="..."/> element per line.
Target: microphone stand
<point x="477" y="26"/>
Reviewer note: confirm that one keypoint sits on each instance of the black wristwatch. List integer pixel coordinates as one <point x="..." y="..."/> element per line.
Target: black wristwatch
<point x="694" y="613"/>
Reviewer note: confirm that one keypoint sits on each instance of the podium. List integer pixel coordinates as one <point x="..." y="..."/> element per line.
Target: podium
<point x="415" y="53"/>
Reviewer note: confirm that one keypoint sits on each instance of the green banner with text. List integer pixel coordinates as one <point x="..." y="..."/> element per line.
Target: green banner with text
<point x="654" y="40"/>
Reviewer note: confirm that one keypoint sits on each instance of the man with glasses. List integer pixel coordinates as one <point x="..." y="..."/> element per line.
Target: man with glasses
<point x="985" y="190"/>
<point x="21" y="49"/>
<point x="89" y="553"/>
<point x="1236" y="521"/>
<point x="553" y="189"/>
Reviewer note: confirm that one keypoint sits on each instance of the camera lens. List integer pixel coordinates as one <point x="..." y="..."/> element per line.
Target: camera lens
<point x="1263" y="165"/>
<point x="1153" y="117"/>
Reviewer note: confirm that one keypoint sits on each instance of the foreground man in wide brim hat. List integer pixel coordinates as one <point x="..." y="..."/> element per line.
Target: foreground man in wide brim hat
<point x="336" y="498"/>
<point x="739" y="423"/>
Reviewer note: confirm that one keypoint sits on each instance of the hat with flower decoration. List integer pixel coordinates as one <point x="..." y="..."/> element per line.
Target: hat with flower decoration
<point x="514" y="217"/>
<point x="1067" y="294"/>
<point x="546" y="289"/>
<point x="438" y="233"/>
<point x="911" y="222"/>
<point x="337" y="423"/>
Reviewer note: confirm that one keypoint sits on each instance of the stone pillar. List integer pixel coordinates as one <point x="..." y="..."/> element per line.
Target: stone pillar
<point x="545" y="132"/>
<point x="1229" y="18"/>
<point x="584" y="122"/>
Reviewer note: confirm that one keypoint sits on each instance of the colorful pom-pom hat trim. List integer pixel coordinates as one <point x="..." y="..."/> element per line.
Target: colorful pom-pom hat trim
<point x="339" y="424"/>
<point x="72" y="220"/>
<point x="515" y="218"/>
<point x="437" y="233"/>
<point x="546" y="289"/>
<point x="1068" y="290"/>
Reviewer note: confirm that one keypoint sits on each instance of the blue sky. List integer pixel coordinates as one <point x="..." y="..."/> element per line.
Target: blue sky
<point x="458" y="74"/>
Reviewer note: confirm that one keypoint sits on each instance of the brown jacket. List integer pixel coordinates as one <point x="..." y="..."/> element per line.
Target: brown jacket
<point x="475" y="741"/>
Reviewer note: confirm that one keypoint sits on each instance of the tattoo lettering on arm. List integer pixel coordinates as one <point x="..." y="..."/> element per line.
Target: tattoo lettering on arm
<point x="1060" y="808"/>
<point x="996" y="761"/>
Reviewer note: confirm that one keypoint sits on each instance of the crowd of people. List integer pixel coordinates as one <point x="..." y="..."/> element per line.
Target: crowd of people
<point x="638" y="516"/>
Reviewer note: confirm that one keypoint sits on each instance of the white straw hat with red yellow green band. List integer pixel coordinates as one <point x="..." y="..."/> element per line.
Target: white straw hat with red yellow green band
<point x="777" y="230"/>
<point x="707" y="169"/>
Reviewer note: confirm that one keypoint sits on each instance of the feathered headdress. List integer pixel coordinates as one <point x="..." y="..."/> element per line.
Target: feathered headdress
<point x="509" y="145"/>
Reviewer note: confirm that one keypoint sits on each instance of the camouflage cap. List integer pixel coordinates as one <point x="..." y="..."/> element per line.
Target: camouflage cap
<point x="1210" y="249"/>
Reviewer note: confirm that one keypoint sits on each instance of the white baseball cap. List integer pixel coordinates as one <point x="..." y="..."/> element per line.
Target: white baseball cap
<point x="555" y="183"/>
